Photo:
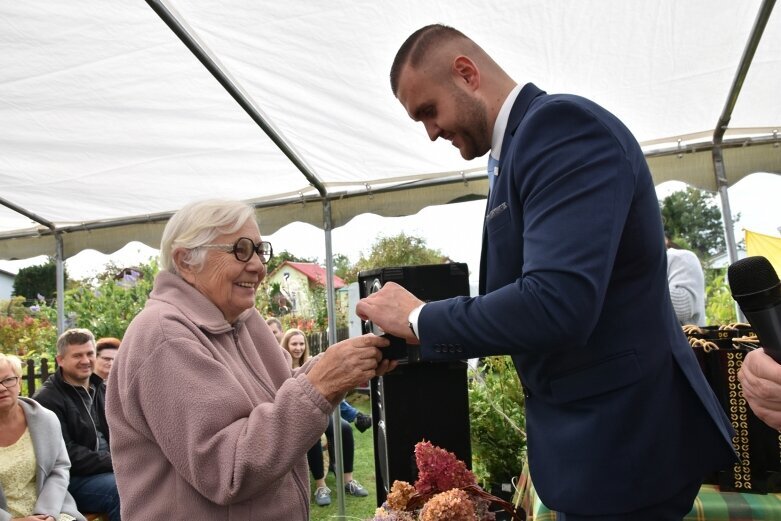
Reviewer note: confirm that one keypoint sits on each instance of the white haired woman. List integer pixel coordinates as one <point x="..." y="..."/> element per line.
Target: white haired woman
<point x="34" y="465"/>
<point x="207" y="418"/>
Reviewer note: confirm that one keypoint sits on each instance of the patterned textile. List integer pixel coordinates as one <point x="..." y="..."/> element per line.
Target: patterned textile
<point x="17" y="472"/>
<point x="710" y="504"/>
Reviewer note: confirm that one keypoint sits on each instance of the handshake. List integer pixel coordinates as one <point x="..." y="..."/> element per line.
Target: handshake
<point x="363" y="421"/>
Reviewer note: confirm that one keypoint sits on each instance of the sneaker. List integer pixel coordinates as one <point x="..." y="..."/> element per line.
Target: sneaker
<point x="323" y="496"/>
<point x="363" y="422"/>
<point x="355" y="489"/>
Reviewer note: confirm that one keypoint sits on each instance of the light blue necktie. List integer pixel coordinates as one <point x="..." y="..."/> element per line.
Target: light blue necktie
<point x="493" y="164"/>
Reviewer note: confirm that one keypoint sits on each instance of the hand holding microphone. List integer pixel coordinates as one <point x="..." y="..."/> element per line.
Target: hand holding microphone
<point x="756" y="288"/>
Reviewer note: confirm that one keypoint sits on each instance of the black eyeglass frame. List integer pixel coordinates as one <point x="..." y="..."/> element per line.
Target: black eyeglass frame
<point x="8" y="386"/>
<point x="262" y="248"/>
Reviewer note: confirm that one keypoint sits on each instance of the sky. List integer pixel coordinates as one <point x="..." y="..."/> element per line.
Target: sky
<point x="455" y="230"/>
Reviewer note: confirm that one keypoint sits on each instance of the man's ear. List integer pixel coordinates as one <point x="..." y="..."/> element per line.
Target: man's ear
<point x="182" y="266"/>
<point x="466" y="72"/>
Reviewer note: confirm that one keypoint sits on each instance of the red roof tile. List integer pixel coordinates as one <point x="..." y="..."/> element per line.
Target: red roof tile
<point x="313" y="272"/>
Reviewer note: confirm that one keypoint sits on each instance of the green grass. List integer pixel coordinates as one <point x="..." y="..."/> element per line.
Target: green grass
<point x="355" y="508"/>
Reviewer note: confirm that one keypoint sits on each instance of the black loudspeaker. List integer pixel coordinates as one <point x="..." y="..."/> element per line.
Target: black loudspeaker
<point x="418" y="400"/>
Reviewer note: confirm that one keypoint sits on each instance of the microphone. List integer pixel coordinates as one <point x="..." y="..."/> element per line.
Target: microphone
<point x="755" y="287"/>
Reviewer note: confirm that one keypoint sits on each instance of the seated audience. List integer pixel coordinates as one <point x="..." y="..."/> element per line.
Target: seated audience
<point x="78" y="398"/>
<point x="276" y="327"/>
<point x="760" y="378"/>
<point x="106" y="349"/>
<point x="33" y="460"/>
<point x="294" y="342"/>
<point x="208" y="420"/>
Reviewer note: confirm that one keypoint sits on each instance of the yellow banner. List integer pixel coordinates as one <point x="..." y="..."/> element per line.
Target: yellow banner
<point x="766" y="246"/>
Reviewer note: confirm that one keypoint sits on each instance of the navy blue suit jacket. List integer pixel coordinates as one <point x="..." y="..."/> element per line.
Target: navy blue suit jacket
<point x="573" y="285"/>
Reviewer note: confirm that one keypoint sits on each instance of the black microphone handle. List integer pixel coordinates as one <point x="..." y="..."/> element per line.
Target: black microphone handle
<point x="767" y="325"/>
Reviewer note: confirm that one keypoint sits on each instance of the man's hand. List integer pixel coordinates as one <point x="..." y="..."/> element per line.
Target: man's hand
<point x="347" y="364"/>
<point x="760" y="377"/>
<point x="389" y="308"/>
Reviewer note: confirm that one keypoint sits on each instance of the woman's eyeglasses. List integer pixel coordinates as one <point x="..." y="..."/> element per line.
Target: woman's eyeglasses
<point x="243" y="249"/>
<point x="9" y="382"/>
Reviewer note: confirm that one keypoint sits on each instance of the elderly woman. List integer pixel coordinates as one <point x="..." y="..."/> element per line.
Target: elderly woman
<point x="34" y="465"/>
<point x="208" y="420"/>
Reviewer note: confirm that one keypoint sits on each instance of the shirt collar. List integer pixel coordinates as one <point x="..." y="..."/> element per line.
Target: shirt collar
<point x="500" y="125"/>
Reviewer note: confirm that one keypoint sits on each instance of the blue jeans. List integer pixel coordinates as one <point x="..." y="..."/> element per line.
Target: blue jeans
<point x="96" y="493"/>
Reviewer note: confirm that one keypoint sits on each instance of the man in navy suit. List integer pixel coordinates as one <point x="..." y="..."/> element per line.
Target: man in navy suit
<point x="621" y="423"/>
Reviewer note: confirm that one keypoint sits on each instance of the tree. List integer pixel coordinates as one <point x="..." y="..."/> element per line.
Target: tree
<point x="40" y="280"/>
<point x="107" y="306"/>
<point x="343" y="268"/>
<point x="693" y="220"/>
<point x="399" y="250"/>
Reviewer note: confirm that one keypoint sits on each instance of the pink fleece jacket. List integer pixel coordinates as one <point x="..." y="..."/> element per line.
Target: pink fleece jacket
<point x="207" y="420"/>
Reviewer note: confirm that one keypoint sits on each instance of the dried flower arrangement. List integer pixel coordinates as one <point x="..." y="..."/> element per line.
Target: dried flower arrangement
<point x="445" y="491"/>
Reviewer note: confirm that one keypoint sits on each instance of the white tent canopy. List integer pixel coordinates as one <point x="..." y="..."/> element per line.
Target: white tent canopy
<point x="108" y="123"/>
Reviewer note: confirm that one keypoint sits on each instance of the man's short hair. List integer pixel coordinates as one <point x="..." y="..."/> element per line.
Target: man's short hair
<point x="274" y="320"/>
<point x="75" y="336"/>
<point x="418" y="45"/>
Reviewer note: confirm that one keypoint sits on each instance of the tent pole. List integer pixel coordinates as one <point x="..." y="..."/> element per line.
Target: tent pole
<point x="721" y="126"/>
<point x="58" y="255"/>
<point x="336" y="417"/>
<point x="191" y="41"/>
<point x="60" y="284"/>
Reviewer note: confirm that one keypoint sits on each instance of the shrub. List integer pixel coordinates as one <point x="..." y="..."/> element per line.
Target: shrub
<point x="497" y="421"/>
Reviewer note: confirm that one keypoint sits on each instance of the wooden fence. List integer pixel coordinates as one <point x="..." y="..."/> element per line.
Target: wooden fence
<point x="34" y="377"/>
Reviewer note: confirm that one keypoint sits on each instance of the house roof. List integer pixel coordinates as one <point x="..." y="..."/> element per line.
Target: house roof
<point x="314" y="272"/>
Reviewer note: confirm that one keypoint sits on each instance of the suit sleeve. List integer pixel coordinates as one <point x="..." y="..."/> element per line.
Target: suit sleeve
<point x="571" y="189"/>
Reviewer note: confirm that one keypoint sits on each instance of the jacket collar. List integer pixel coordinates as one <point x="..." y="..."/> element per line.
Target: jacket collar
<point x="520" y="107"/>
<point x="57" y="379"/>
<point x="175" y="291"/>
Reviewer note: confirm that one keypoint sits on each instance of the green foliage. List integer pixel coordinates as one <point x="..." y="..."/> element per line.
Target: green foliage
<point x="269" y="299"/>
<point x="107" y="306"/>
<point x="693" y="220"/>
<point x="37" y="280"/>
<point x="317" y="297"/>
<point x="25" y="332"/>
<point x="719" y="304"/>
<point x="497" y="420"/>
<point x="356" y="508"/>
<point x="344" y="269"/>
<point x="399" y="250"/>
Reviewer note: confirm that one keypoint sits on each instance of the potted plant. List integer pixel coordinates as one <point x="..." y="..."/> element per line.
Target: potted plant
<point x="498" y="424"/>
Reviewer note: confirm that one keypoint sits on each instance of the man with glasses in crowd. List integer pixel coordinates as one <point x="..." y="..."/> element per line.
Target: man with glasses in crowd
<point x="78" y="398"/>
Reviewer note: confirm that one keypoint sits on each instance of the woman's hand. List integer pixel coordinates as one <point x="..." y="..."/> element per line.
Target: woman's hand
<point x="347" y="364"/>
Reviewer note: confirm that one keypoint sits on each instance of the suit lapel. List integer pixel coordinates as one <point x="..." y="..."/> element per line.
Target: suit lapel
<point x="517" y="113"/>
